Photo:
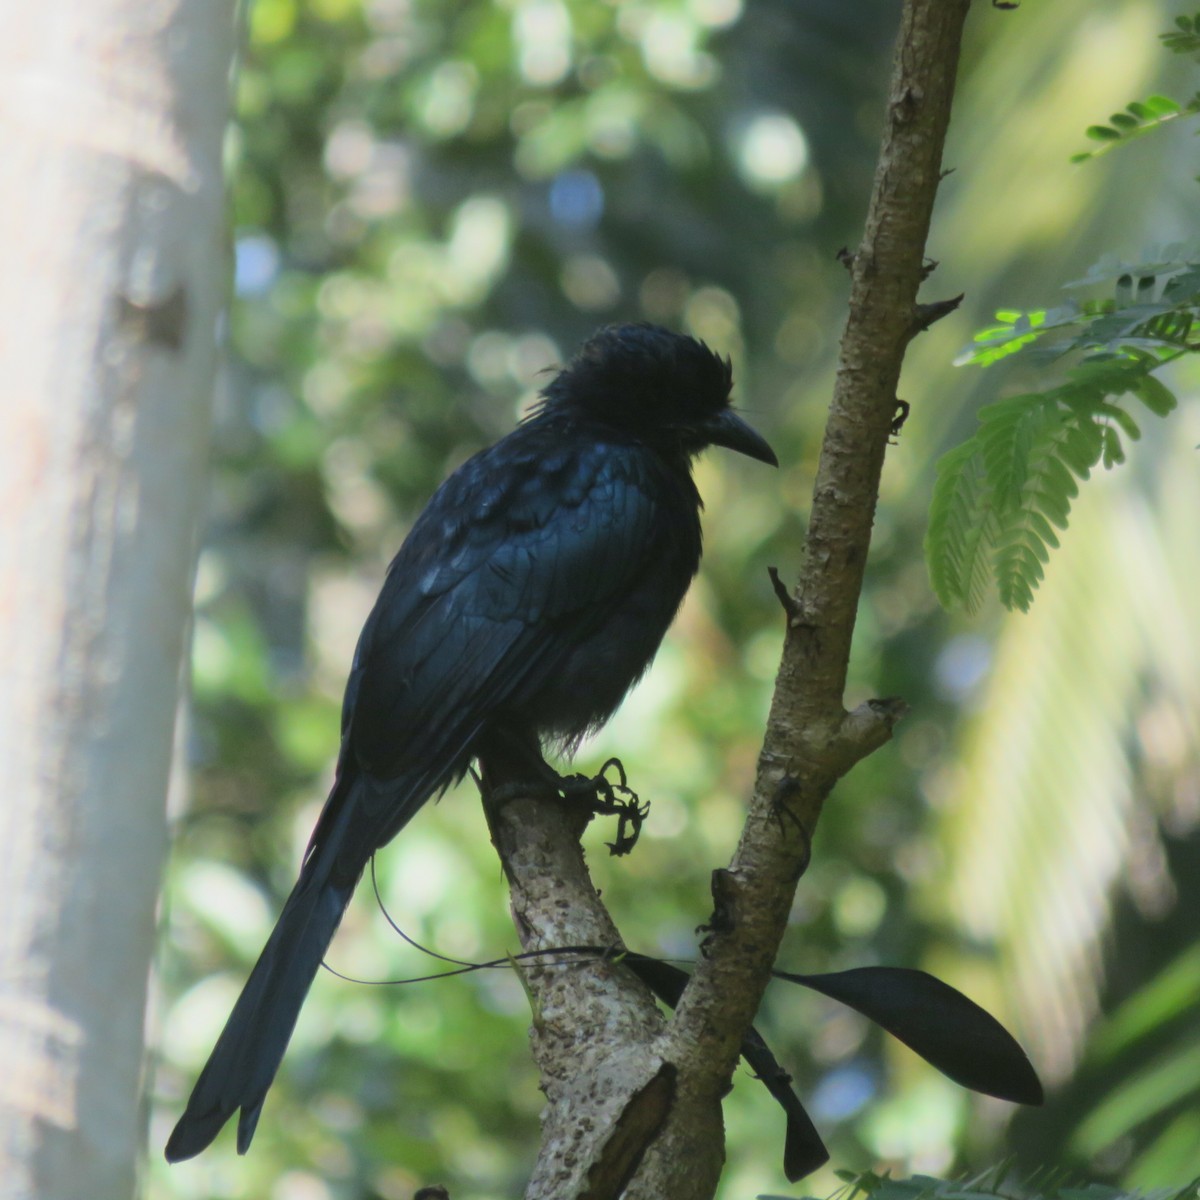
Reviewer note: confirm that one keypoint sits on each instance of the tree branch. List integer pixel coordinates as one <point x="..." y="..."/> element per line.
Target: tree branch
<point x="600" y="1043"/>
<point x="811" y="741"/>
<point x="595" y="1024"/>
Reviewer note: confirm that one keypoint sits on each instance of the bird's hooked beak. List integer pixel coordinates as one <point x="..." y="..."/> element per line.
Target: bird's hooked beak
<point x="729" y="430"/>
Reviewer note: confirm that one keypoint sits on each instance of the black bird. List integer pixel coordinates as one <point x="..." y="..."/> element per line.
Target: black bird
<point x="528" y="598"/>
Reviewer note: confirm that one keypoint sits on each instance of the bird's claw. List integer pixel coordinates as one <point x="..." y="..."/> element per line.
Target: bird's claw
<point x="611" y="800"/>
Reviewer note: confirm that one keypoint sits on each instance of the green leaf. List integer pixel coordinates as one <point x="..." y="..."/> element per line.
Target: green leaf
<point x="996" y="1183"/>
<point x="1016" y="329"/>
<point x="1164" y="1082"/>
<point x="1169" y="996"/>
<point x="1120" y="417"/>
<point x="1114" y="452"/>
<point x="958" y="530"/>
<point x="1155" y="395"/>
<point x="999" y="496"/>
<point x="1162" y="106"/>
<point x="1139" y="117"/>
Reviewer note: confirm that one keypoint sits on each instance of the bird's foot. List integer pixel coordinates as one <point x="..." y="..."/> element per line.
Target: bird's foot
<point x="608" y="799"/>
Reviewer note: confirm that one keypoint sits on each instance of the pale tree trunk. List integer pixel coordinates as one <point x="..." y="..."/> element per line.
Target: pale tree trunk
<point x="112" y="267"/>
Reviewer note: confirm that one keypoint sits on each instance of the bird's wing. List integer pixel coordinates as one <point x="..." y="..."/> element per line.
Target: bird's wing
<point x="522" y="553"/>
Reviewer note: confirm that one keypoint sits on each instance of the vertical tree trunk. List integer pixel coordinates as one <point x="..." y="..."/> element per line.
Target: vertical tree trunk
<point x="112" y="267"/>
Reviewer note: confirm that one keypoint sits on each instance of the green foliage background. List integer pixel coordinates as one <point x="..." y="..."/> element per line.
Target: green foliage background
<point x="433" y="203"/>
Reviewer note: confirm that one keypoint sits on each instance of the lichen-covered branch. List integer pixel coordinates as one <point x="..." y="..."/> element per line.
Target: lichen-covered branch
<point x="595" y="1025"/>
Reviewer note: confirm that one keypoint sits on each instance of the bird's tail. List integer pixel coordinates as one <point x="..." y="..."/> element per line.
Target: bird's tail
<point x="251" y="1046"/>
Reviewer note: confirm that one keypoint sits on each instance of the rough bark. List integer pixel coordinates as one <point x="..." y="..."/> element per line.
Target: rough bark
<point x="112" y="222"/>
<point x="600" y="1014"/>
<point x="595" y="1026"/>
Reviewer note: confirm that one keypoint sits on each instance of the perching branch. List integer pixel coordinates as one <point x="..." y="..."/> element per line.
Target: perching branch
<point x="634" y="1101"/>
<point x="594" y="1022"/>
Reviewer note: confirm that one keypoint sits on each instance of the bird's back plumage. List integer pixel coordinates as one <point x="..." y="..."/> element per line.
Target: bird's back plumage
<point x="529" y="596"/>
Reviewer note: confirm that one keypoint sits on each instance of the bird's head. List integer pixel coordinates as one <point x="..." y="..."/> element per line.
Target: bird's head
<point x="668" y="390"/>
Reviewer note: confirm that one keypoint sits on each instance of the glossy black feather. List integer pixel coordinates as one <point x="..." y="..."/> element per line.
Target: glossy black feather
<point x="530" y="595"/>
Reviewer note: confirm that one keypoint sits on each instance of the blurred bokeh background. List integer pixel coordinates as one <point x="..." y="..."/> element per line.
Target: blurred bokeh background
<point x="434" y="202"/>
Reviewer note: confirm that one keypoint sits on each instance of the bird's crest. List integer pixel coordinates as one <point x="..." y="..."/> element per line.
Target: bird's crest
<point x="642" y="378"/>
